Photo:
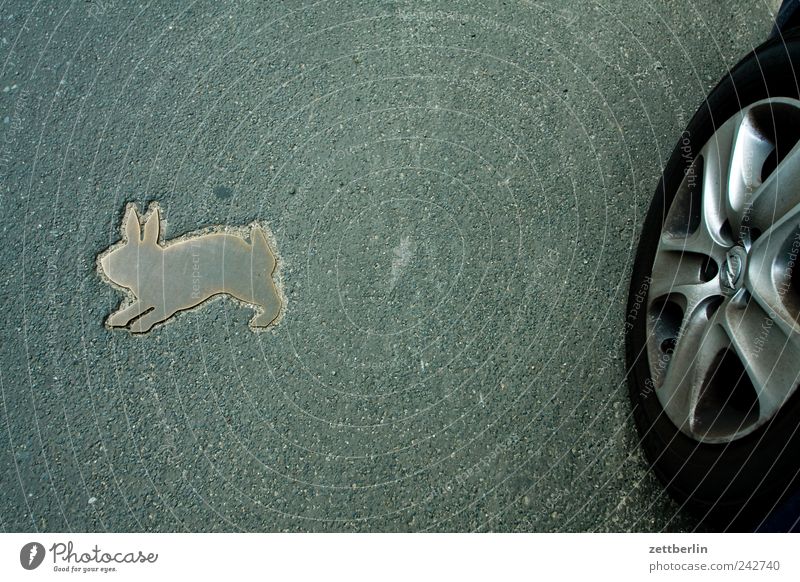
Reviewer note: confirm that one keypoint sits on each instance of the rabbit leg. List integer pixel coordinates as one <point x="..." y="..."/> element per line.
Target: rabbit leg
<point x="148" y="320"/>
<point x="265" y="316"/>
<point x="267" y="302"/>
<point x="265" y="295"/>
<point x="122" y="317"/>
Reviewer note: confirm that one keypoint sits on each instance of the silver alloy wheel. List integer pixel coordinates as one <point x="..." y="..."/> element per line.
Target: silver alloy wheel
<point x="724" y="296"/>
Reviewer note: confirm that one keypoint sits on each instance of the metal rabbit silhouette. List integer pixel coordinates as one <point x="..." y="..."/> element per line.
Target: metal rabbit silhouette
<point x="162" y="278"/>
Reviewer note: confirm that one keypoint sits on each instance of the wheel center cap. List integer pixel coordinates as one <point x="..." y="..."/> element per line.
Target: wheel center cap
<point x="732" y="272"/>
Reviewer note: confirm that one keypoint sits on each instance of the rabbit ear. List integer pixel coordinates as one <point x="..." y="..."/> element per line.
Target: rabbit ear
<point x="152" y="227"/>
<point x="132" y="227"/>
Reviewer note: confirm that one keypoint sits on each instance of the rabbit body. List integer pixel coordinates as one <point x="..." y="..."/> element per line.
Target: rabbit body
<point x="173" y="277"/>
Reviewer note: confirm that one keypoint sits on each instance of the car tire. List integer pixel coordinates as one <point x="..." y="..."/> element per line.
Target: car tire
<point x="731" y="476"/>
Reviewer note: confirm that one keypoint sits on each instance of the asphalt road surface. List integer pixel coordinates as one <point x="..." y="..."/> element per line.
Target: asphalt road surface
<point x="455" y="190"/>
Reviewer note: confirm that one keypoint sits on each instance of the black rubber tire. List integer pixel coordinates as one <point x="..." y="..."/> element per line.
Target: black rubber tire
<point x="730" y="486"/>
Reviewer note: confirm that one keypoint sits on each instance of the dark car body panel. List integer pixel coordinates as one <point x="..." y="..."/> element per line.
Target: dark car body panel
<point x="788" y="17"/>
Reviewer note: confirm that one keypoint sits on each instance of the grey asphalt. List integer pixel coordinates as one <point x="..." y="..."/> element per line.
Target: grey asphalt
<point x="455" y="190"/>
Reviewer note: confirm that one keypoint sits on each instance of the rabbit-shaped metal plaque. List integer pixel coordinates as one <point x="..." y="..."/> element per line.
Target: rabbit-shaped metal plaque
<point x="163" y="278"/>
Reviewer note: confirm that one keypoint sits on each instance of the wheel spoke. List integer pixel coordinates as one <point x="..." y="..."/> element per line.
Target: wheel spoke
<point x="768" y="276"/>
<point x="707" y="239"/>
<point x="699" y="242"/>
<point x="717" y="155"/>
<point x="676" y="272"/>
<point x="750" y="149"/>
<point x="778" y="194"/>
<point x="699" y="343"/>
<point x="769" y="356"/>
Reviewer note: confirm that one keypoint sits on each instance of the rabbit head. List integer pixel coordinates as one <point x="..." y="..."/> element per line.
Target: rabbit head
<point x="122" y="264"/>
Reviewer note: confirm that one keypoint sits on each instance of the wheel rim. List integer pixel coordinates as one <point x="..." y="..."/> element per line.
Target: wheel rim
<point x="724" y="299"/>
